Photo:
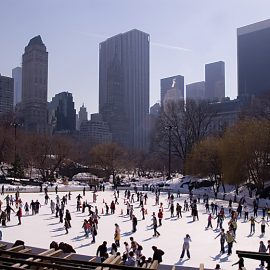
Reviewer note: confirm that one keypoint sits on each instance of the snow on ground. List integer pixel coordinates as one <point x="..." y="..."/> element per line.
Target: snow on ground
<point x="41" y="229"/>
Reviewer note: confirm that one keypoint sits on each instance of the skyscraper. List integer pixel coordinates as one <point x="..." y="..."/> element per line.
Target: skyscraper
<point x="253" y="57"/>
<point x="17" y="76"/>
<point x="195" y="91"/>
<point x="215" y="81"/>
<point x="83" y="116"/>
<point x="6" y="94"/>
<point x="62" y="113"/>
<point x="34" y="86"/>
<point x="124" y="87"/>
<point x="171" y="89"/>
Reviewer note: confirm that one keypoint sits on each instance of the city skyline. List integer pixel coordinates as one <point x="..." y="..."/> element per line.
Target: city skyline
<point x="186" y="37"/>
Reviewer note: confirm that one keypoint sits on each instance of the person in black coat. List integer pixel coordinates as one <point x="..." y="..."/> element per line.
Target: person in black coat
<point x="158" y="253"/>
<point x="102" y="251"/>
<point x="68" y="217"/>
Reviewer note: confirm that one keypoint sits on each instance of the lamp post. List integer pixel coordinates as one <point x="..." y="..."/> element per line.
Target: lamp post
<point x="15" y="125"/>
<point x="170" y="146"/>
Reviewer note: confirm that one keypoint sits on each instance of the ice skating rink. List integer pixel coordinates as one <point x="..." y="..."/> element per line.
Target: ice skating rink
<point x="41" y="229"/>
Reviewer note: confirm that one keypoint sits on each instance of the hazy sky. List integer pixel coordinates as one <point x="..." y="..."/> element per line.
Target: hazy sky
<point x="185" y="35"/>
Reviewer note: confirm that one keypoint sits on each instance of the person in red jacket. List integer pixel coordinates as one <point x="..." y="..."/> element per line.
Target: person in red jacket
<point x="19" y="215"/>
<point x="160" y="217"/>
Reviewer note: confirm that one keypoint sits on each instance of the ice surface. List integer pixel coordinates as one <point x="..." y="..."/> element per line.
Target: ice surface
<point x="39" y="230"/>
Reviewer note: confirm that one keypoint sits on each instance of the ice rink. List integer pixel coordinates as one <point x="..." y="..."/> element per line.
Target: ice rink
<point x="41" y="229"/>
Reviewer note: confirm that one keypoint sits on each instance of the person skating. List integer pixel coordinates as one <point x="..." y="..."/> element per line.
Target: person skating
<point x="187" y="240"/>
<point x="262" y="249"/>
<point x="178" y="210"/>
<point x="158" y="253"/>
<point x="263" y="223"/>
<point x="156" y="233"/>
<point x="209" y="219"/>
<point x="222" y="238"/>
<point x="134" y="223"/>
<point x="230" y="240"/>
<point x="93" y="231"/>
<point x="252" y="225"/>
<point x="102" y="251"/>
<point x="160" y="217"/>
<point x="117" y="235"/>
<point x="8" y="211"/>
<point x="66" y="225"/>
<point x="68" y="218"/>
<point x="19" y="215"/>
<point x="172" y="209"/>
<point x="240" y="263"/>
<point x="26" y="208"/>
<point x="143" y="213"/>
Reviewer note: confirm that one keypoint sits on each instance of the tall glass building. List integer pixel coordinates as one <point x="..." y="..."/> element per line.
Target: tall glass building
<point x="215" y="81"/>
<point x="253" y="58"/>
<point x="124" y="87"/>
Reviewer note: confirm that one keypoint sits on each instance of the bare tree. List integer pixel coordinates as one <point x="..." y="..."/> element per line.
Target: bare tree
<point x="184" y="124"/>
<point x="109" y="157"/>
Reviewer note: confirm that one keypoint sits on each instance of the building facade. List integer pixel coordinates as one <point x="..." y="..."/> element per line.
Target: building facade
<point x="253" y="59"/>
<point x="171" y="89"/>
<point x="17" y="76"/>
<point x="82" y="116"/>
<point x="95" y="131"/>
<point x="124" y="87"/>
<point x="35" y="86"/>
<point x="62" y="113"/>
<point x="195" y="91"/>
<point x="226" y="114"/>
<point x="215" y="81"/>
<point x="6" y="94"/>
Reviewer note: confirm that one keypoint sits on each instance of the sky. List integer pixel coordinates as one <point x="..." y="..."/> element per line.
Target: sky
<point x="184" y="36"/>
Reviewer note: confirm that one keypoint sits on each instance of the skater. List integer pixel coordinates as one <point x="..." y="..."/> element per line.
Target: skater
<point x="240" y="263"/>
<point x="178" y="210"/>
<point x="262" y="249"/>
<point x="252" y="225"/>
<point x="158" y="253"/>
<point x="26" y="208"/>
<point x="172" y="210"/>
<point x="263" y="223"/>
<point x="230" y="239"/>
<point x="102" y="251"/>
<point x="222" y="236"/>
<point x="156" y="233"/>
<point x="66" y="225"/>
<point x="19" y="215"/>
<point x="160" y="216"/>
<point x="209" y="224"/>
<point x="52" y="206"/>
<point x="134" y="223"/>
<point x="68" y="218"/>
<point x="143" y="212"/>
<point x="187" y="240"/>
<point x="117" y="235"/>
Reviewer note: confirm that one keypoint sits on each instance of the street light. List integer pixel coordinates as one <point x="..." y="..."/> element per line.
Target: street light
<point x="15" y="125"/>
<point x="170" y="146"/>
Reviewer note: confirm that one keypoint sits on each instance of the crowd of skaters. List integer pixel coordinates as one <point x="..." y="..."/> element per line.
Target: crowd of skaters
<point x="90" y="225"/>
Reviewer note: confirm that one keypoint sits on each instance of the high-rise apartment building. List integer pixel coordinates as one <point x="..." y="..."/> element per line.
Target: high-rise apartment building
<point x="215" y="81"/>
<point x="95" y="131"/>
<point x="171" y="89"/>
<point x="124" y="87"/>
<point x="34" y="86"/>
<point x="17" y="76"/>
<point x="62" y="113"/>
<point x="82" y="116"/>
<point x="253" y="58"/>
<point x="6" y="94"/>
<point x="195" y="91"/>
